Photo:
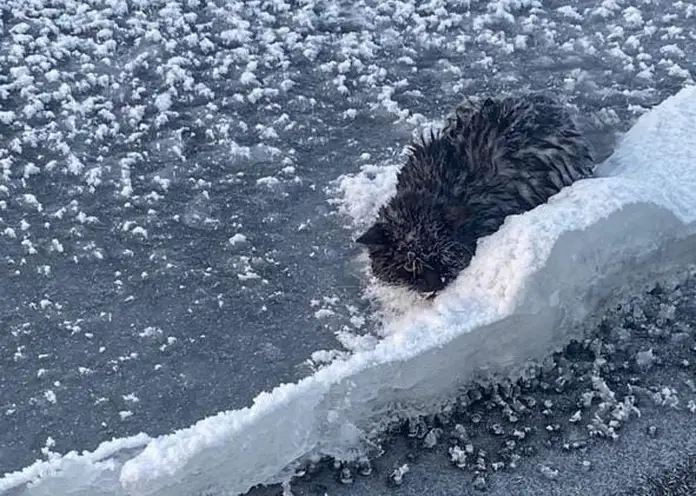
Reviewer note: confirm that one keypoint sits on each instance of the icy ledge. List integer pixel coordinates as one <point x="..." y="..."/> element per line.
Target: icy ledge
<point x="528" y="290"/>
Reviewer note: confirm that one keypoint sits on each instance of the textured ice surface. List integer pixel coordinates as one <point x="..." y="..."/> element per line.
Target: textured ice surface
<point x="526" y="292"/>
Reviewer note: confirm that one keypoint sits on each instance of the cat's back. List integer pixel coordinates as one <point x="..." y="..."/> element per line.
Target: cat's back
<point x="535" y="113"/>
<point x="492" y="144"/>
<point x="516" y="136"/>
<point x="433" y="164"/>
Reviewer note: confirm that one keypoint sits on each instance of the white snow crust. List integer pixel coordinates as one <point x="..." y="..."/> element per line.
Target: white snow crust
<point x="529" y="290"/>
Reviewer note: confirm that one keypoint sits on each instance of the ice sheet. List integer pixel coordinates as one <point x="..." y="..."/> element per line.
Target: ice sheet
<point x="528" y="290"/>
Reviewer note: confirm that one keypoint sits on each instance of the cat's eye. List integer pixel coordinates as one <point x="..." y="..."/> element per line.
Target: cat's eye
<point x="410" y="265"/>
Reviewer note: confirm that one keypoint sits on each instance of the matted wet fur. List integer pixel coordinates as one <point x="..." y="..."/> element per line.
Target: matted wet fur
<point x="492" y="159"/>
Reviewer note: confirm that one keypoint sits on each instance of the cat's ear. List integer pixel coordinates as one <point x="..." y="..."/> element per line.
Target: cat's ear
<point x="374" y="236"/>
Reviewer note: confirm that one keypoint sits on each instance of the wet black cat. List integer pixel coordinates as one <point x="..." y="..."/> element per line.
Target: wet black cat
<point x="494" y="158"/>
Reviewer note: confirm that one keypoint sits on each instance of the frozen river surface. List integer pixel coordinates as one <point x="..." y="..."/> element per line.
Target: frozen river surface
<point x="168" y="247"/>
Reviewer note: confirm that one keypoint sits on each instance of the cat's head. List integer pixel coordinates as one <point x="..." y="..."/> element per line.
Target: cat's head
<point x="414" y="243"/>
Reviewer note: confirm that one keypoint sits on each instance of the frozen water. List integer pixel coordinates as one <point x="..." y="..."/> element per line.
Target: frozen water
<point x="125" y="280"/>
<point x="527" y="291"/>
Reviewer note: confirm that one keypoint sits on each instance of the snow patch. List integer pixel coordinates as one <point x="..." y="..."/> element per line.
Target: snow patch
<point x="237" y="239"/>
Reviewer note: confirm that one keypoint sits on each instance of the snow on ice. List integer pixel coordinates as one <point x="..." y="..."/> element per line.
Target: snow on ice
<point x="528" y="290"/>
